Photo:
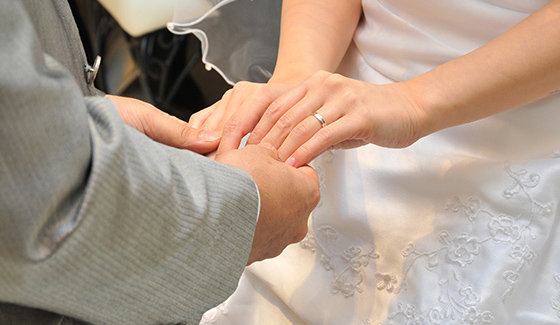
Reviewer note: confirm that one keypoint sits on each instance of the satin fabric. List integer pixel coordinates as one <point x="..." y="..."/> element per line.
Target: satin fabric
<point x="460" y="228"/>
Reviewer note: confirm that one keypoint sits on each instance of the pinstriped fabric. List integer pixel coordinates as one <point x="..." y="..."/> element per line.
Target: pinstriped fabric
<point x="97" y="221"/>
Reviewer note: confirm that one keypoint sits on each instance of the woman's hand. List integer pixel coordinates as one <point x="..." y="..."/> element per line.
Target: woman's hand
<point x="164" y="128"/>
<point x="356" y="113"/>
<point x="314" y="36"/>
<point x="517" y="67"/>
<point x="238" y="111"/>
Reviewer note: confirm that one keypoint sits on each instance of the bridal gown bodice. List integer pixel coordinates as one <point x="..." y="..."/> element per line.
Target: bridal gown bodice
<point x="460" y="228"/>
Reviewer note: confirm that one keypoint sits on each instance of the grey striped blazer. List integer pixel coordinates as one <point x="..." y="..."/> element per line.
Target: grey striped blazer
<point x="98" y="222"/>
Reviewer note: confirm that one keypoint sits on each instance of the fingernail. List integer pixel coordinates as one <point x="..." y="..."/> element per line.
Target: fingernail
<point x="291" y="161"/>
<point x="266" y="145"/>
<point x="209" y="136"/>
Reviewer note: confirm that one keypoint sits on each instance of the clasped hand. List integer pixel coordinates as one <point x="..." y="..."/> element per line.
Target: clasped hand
<point x="288" y="195"/>
<point x="356" y="113"/>
<point x="279" y="117"/>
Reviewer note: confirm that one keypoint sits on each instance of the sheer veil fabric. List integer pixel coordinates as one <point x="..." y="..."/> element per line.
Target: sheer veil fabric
<point x="239" y="38"/>
<point x="460" y="228"/>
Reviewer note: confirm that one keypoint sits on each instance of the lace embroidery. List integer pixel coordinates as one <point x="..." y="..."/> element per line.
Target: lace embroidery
<point x="458" y="250"/>
<point x="460" y="304"/>
<point x="348" y="266"/>
<point x="521" y="252"/>
<point x="503" y="229"/>
<point x="462" y="249"/>
<point x="386" y="281"/>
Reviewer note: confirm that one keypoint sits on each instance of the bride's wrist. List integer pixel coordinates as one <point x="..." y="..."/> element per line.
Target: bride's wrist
<point x="435" y="107"/>
<point x="423" y="117"/>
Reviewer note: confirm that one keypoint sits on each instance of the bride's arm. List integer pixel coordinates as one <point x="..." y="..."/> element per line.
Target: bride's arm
<point x="314" y="36"/>
<point x="521" y="65"/>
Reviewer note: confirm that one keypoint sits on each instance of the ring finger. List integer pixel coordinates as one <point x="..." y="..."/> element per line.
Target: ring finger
<point x="304" y="131"/>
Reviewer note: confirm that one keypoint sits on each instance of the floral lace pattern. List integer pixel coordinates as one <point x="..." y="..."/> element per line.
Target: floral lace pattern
<point x="458" y="302"/>
<point x="513" y="231"/>
<point x="454" y="305"/>
<point x="347" y="266"/>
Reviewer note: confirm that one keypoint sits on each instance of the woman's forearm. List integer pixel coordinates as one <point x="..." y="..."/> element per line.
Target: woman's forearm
<point x="314" y="36"/>
<point x="519" y="66"/>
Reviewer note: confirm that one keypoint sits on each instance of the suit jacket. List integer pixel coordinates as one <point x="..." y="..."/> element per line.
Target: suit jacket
<point x="98" y="222"/>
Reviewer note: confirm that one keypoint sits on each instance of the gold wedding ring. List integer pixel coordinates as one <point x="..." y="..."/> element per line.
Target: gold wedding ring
<point x="320" y="118"/>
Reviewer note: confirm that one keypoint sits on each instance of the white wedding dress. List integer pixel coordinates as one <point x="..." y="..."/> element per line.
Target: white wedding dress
<point x="462" y="227"/>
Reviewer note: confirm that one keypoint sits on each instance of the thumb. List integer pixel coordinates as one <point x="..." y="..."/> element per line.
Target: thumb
<point x="177" y="133"/>
<point x="182" y="135"/>
<point x="164" y="128"/>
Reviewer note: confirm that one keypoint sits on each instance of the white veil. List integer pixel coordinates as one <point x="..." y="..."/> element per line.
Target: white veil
<point x="239" y="38"/>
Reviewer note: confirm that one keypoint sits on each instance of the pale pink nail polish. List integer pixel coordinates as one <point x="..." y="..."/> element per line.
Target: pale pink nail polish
<point x="291" y="161"/>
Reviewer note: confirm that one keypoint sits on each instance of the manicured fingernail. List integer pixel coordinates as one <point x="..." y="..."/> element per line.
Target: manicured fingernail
<point x="209" y="136"/>
<point x="266" y="145"/>
<point x="291" y="161"/>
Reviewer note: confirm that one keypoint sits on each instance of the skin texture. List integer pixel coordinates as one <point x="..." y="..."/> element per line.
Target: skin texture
<point x="314" y="37"/>
<point x="288" y="195"/>
<point x="163" y="127"/>
<point x="519" y="66"/>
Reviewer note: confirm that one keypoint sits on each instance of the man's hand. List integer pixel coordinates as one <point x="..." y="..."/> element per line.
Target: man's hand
<point x="288" y="195"/>
<point x="164" y="128"/>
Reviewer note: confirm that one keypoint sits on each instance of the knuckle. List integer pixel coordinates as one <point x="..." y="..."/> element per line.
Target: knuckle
<point x="145" y="122"/>
<point x="325" y="135"/>
<point x="274" y="109"/>
<point x="300" y="234"/>
<point x="336" y="83"/>
<point x="304" y="153"/>
<point x="322" y="74"/>
<point x="196" y="115"/>
<point x="231" y="126"/>
<point x="315" y="197"/>
<point x="228" y="93"/>
<point x="256" y="135"/>
<point x="284" y="123"/>
<point x="301" y="130"/>
<point x="241" y="87"/>
<point x="185" y="132"/>
<point x="332" y="79"/>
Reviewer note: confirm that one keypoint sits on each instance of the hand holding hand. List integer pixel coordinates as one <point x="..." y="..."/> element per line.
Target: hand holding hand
<point x="288" y="195"/>
<point x="163" y="127"/>
<point x="356" y="113"/>
<point x="238" y="111"/>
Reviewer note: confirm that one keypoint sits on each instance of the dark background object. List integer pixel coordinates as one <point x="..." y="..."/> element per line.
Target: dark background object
<point x="159" y="67"/>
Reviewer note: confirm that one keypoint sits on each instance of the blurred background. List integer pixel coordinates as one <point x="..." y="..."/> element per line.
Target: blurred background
<point x="140" y="58"/>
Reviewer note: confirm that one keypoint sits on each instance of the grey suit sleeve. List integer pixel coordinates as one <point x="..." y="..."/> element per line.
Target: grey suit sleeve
<point x="97" y="221"/>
